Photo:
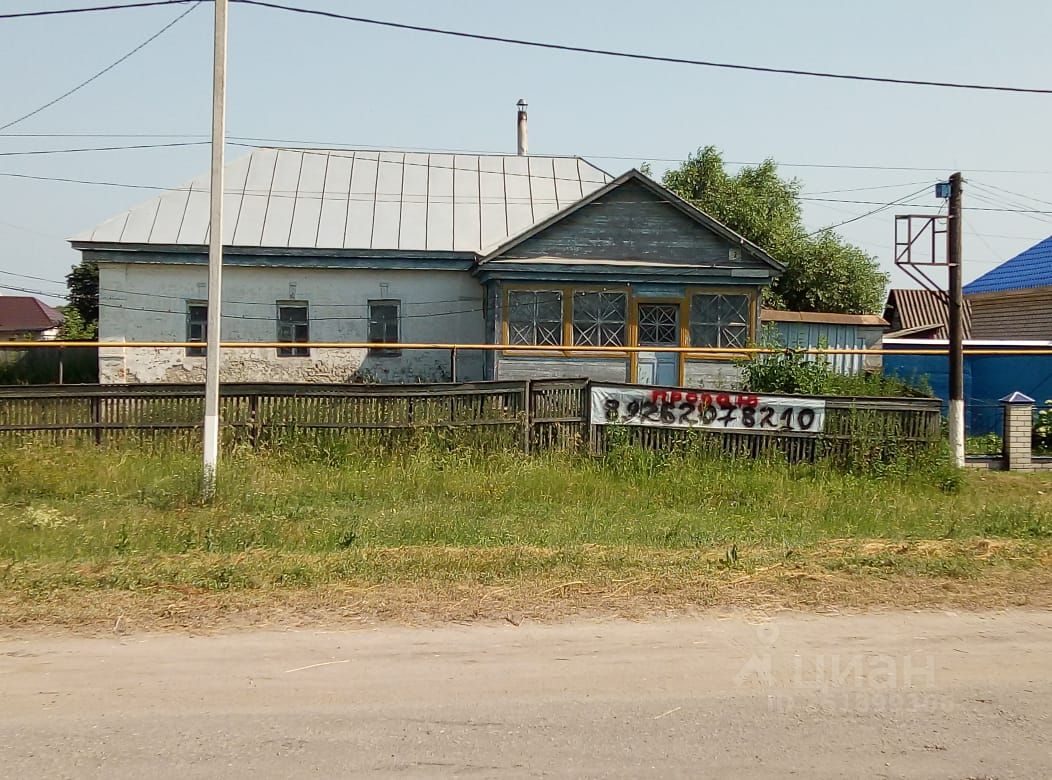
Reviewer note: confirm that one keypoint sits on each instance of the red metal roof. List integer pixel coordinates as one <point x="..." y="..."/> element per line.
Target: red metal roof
<point x="23" y="314"/>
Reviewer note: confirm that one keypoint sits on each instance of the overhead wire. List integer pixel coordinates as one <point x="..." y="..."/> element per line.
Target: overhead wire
<point x="995" y="204"/>
<point x="231" y="316"/>
<point x="870" y="213"/>
<point x="337" y="196"/>
<point x="102" y="72"/>
<point x="1010" y="192"/>
<point x="636" y="55"/>
<point x="988" y="195"/>
<point x="253" y="142"/>
<point x="37" y="152"/>
<point x="548" y="45"/>
<point x="90" y="9"/>
<point x="225" y="300"/>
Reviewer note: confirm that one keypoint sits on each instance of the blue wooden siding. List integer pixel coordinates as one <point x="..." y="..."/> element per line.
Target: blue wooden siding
<point x="803" y="335"/>
<point x="632" y="223"/>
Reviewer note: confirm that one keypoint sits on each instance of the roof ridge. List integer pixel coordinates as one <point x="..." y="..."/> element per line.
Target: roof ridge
<point x="415" y="150"/>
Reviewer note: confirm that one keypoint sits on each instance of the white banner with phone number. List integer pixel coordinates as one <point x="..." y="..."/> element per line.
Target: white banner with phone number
<point x="706" y="409"/>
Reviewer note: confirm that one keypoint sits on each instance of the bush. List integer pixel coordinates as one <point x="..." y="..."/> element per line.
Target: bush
<point x="795" y="371"/>
<point x="1041" y="438"/>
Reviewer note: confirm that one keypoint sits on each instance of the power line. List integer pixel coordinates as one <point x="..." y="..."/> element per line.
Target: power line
<point x="225" y="300"/>
<point x="870" y="213"/>
<point x="336" y="196"/>
<point x="988" y="195"/>
<point x="929" y="206"/>
<point x="315" y="145"/>
<point x="229" y="316"/>
<point x="91" y="9"/>
<point x="1010" y="192"/>
<point x="998" y="201"/>
<point x="867" y="189"/>
<point x="67" y="180"/>
<point x="31" y="230"/>
<point x="105" y="70"/>
<point x="639" y="56"/>
<point x="37" y="152"/>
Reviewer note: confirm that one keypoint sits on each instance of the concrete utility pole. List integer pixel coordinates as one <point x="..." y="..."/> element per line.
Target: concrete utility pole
<point x="215" y="253"/>
<point x="956" y="321"/>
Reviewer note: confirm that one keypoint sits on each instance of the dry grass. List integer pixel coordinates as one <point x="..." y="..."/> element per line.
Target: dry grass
<point x="542" y="585"/>
<point x="95" y="538"/>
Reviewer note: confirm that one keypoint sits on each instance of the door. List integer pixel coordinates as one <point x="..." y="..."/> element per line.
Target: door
<point x="657" y="326"/>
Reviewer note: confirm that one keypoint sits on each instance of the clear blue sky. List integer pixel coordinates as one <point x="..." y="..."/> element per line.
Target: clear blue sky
<point x="307" y="79"/>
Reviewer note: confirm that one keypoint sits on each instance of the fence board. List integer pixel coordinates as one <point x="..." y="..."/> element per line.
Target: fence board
<point x="537" y="415"/>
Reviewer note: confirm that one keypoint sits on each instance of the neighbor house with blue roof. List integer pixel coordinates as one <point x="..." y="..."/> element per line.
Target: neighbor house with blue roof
<point x="1014" y="300"/>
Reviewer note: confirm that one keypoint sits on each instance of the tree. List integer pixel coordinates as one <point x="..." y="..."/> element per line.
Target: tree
<point x="83" y="284"/>
<point x="823" y="272"/>
<point x="74" y="328"/>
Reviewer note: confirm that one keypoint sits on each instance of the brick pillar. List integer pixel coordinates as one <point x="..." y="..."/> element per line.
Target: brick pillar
<point x="1019" y="423"/>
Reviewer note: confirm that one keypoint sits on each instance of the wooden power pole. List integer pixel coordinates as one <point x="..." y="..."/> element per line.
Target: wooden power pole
<point x="956" y="321"/>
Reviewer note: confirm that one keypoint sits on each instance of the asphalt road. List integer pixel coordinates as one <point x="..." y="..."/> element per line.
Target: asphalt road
<point x="931" y="695"/>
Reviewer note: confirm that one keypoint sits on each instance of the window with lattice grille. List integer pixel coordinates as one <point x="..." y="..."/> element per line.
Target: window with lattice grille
<point x="659" y="324"/>
<point x="599" y="318"/>
<point x="535" y="317"/>
<point x="718" y="320"/>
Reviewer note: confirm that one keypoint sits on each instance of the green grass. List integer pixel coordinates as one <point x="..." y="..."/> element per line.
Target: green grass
<point x="449" y="532"/>
<point x="84" y="505"/>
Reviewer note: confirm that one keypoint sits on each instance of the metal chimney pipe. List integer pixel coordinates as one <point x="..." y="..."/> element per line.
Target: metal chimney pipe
<point x="523" y="145"/>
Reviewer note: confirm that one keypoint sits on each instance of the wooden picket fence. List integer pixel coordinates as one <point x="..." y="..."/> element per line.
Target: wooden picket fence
<point x="532" y="415"/>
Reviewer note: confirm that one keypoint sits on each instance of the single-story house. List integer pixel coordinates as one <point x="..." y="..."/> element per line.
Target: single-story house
<point x="350" y="246"/>
<point x="1014" y="300"/>
<point x="24" y="317"/>
<point x="921" y="314"/>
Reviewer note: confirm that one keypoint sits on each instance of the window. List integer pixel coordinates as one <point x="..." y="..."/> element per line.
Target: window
<point x="599" y="319"/>
<point x="719" y="320"/>
<point x="196" y="326"/>
<point x="659" y="324"/>
<point x="293" y="326"/>
<point x="535" y="317"/>
<point x="383" y="325"/>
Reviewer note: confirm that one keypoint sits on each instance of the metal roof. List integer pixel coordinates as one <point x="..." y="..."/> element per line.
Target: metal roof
<point x="21" y="313"/>
<point x="822" y="318"/>
<point x="921" y="311"/>
<point x="1031" y="268"/>
<point x="364" y="200"/>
